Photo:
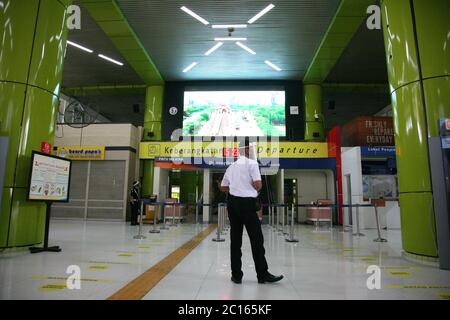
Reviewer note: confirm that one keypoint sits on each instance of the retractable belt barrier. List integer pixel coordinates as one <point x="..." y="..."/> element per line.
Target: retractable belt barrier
<point x="280" y="223"/>
<point x="282" y="209"/>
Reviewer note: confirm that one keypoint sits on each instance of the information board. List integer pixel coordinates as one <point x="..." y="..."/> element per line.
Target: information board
<point x="49" y="178"/>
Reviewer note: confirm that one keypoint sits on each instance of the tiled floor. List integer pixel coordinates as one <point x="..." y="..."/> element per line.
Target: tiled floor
<point x="322" y="265"/>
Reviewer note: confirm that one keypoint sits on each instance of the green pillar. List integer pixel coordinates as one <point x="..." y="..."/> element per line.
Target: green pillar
<point x="188" y="186"/>
<point x="33" y="41"/>
<point x="314" y="128"/>
<point x="418" y="58"/>
<point x="152" y="131"/>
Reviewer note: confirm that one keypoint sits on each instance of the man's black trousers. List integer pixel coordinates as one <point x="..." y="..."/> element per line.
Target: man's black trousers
<point x="242" y="212"/>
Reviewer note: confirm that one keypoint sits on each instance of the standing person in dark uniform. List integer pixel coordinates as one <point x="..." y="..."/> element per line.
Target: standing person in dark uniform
<point x="242" y="181"/>
<point x="134" y="201"/>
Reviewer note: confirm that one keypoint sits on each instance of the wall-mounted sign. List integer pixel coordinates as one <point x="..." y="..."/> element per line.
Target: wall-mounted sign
<point x="152" y="150"/>
<point x="81" y="153"/>
<point x="294" y="110"/>
<point x="46" y="148"/>
<point x="447" y="124"/>
<point x="173" y="111"/>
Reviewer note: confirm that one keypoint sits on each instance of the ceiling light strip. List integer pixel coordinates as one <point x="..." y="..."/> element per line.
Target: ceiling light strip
<point x="194" y="15"/>
<point x="226" y="26"/>
<point x="110" y="60"/>
<point x="245" y="48"/>
<point x="230" y="39"/>
<point x="260" y="14"/>
<point x="193" y="64"/>
<point x="76" y="45"/>
<point x="217" y="46"/>
<point x="270" y="64"/>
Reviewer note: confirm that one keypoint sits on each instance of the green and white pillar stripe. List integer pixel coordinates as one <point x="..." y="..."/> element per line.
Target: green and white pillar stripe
<point x="314" y="127"/>
<point x="152" y="131"/>
<point x="418" y="58"/>
<point x="33" y="41"/>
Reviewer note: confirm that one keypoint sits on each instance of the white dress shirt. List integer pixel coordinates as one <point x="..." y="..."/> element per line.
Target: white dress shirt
<point x="240" y="176"/>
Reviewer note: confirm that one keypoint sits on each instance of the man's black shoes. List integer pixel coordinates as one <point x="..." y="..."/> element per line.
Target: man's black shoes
<point x="236" y="280"/>
<point x="269" y="278"/>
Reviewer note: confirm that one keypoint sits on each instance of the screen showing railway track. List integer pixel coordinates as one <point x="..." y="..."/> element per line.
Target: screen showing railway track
<point x="234" y="113"/>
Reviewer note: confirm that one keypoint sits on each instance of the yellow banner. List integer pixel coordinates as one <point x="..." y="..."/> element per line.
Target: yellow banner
<point x="152" y="150"/>
<point x="81" y="153"/>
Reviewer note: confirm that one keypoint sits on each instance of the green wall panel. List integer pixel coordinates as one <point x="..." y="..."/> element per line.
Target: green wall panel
<point x="49" y="47"/>
<point x="147" y="180"/>
<point x="12" y="96"/>
<point x="39" y="121"/>
<point x="153" y="112"/>
<point x="5" y="215"/>
<point x="437" y="96"/>
<point x="433" y="33"/>
<point x="399" y="43"/>
<point x="313" y="105"/>
<point x="410" y="139"/>
<point x="418" y="223"/>
<point x="188" y="186"/>
<point x="27" y="220"/>
<point x="16" y="38"/>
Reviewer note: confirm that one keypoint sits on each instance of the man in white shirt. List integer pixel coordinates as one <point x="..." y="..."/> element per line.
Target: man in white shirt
<point x="242" y="181"/>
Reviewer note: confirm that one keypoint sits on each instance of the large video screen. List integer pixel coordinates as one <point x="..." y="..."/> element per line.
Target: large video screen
<point x="50" y="178"/>
<point x="234" y="113"/>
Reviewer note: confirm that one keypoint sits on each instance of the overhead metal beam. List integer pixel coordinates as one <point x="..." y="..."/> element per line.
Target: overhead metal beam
<point x="105" y="90"/>
<point x="111" y="20"/>
<point x="348" y="18"/>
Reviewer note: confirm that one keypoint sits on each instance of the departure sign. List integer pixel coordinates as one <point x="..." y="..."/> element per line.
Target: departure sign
<point x="49" y="179"/>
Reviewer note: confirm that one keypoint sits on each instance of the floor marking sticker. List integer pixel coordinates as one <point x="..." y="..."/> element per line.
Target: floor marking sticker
<point x="368" y="259"/>
<point x="125" y="255"/>
<point x="386" y="267"/>
<point x="400" y="273"/>
<point x="98" y="268"/>
<point x="64" y="278"/>
<point x="417" y="287"/>
<point x="104" y="262"/>
<point x="53" y="287"/>
<point x="144" y="246"/>
<point x="444" y="295"/>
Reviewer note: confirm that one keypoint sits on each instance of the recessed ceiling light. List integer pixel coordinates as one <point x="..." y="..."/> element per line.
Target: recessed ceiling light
<point x="111" y="60"/>
<point x="193" y="14"/>
<point x="226" y="26"/>
<point x="76" y="45"/>
<point x="193" y="64"/>
<point x="272" y="65"/>
<point x="245" y="48"/>
<point x="230" y="39"/>
<point x="217" y="46"/>
<point x="263" y="12"/>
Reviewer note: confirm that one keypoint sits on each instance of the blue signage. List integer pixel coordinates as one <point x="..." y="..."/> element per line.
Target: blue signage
<point x="378" y="152"/>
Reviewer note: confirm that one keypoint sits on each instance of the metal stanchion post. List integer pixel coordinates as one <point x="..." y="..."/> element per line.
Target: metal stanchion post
<point x="219" y="231"/>
<point x="358" y="233"/>
<point x="155" y="230"/>
<point x="275" y="225"/>
<point x="164" y="227"/>
<point x="379" y="239"/>
<point x="139" y="235"/>
<point x="291" y="236"/>
<point x="285" y="221"/>
<point x="222" y="219"/>
<point x="196" y="213"/>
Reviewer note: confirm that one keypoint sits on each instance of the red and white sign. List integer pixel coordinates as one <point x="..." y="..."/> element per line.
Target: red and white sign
<point x="46" y="148"/>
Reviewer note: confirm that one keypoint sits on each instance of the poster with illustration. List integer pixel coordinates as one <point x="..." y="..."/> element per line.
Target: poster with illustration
<point x="50" y="178"/>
